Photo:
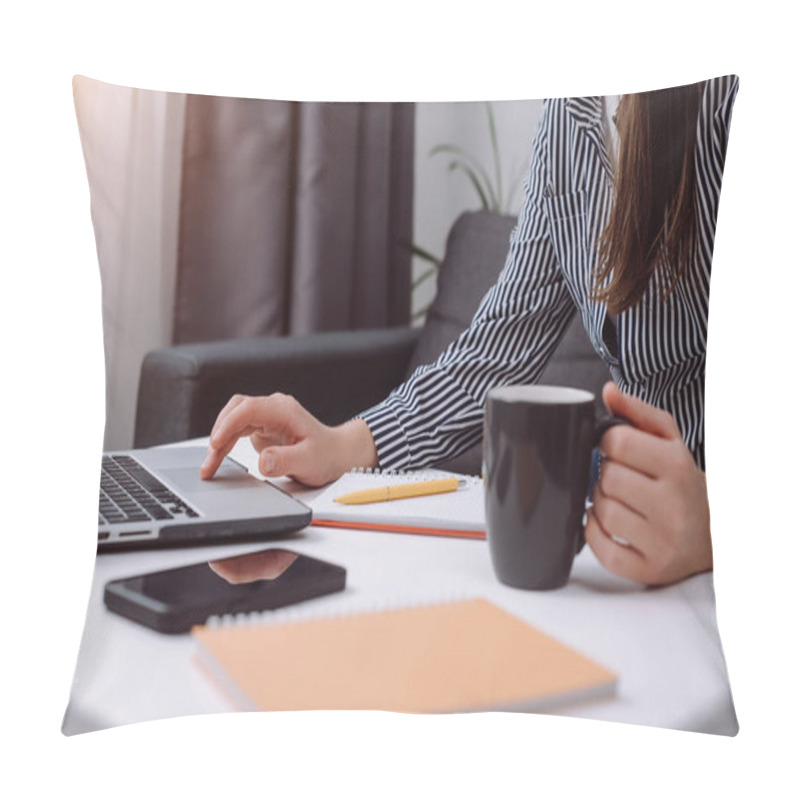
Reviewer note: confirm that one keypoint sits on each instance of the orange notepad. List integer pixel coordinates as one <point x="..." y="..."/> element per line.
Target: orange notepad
<point x="462" y="656"/>
<point x="458" y="513"/>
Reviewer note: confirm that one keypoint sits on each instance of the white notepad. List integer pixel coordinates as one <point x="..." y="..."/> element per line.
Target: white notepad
<point x="458" y="513"/>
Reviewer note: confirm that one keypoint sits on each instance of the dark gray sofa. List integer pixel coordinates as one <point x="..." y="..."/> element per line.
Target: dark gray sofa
<point x="336" y="375"/>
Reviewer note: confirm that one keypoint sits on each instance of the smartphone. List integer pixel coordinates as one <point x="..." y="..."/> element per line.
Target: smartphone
<point x="173" y="600"/>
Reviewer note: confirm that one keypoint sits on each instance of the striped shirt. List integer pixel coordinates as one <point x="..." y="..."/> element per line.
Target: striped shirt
<point x="660" y="351"/>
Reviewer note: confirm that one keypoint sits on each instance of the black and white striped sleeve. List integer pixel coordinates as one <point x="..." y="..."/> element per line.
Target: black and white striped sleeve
<point x="438" y="412"/>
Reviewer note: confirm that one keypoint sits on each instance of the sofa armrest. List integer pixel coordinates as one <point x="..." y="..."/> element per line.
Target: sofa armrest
<point x="335" y="375"/>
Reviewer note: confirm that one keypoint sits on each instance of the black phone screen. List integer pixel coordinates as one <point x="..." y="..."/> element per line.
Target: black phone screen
<point x="175" y="599"/>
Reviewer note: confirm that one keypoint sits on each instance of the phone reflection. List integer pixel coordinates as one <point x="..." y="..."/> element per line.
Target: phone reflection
<point x="266" y="565"/>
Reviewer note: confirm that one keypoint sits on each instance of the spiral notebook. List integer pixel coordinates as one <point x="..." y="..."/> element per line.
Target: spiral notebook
<point x="458" y="513"/>
<point x="467" y="655"/>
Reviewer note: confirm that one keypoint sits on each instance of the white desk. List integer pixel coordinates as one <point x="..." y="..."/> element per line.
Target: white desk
<point x="662" y="643"/>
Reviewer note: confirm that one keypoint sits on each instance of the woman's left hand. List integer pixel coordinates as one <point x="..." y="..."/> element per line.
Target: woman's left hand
<point x="651" y="494"/>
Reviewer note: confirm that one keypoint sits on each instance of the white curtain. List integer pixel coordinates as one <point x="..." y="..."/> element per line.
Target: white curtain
<point x="132" y="141"/>
<point x="222" y="217"/>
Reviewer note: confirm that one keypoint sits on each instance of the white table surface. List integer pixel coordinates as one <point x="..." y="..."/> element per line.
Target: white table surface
<point x="662" y="643"/>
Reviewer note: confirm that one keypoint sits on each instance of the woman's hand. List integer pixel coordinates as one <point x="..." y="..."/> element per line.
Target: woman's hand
<point x="651" y="494"/>
<point x="289" y="440"/>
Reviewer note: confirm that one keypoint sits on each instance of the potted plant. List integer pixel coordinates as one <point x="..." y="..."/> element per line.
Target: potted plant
<point x="488" y="186"/>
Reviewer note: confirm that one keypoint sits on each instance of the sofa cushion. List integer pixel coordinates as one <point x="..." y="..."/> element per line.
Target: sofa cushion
<point x="476" y="252"/>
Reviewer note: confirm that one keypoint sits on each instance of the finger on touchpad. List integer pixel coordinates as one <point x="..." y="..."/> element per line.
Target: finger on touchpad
<point x="188" y="478"/>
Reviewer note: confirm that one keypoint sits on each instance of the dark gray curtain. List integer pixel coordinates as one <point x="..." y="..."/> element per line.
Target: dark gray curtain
<point x="293" y="218"/>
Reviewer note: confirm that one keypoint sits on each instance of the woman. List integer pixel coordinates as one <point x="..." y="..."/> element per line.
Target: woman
<point x="620" y="228"/>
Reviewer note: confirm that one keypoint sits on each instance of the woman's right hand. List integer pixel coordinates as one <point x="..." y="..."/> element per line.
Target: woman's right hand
<point x="290" y="441"/>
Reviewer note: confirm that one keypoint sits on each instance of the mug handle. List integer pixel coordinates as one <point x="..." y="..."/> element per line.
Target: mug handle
<point x="600" y="428"/>
<point x="606" y="424"/>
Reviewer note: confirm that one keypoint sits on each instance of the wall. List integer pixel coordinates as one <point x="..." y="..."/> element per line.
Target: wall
<point x="440" y="196"/>
<point x="133" y="158"/>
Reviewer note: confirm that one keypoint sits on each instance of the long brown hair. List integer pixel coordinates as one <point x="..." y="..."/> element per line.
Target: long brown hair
<point x="652" y="225"/>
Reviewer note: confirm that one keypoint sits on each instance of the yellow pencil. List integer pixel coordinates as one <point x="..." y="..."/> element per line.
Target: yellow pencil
<point x="411" y="489"/>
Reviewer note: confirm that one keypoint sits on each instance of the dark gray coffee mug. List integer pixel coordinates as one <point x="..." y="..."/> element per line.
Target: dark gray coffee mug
<point x="538" y="443"/>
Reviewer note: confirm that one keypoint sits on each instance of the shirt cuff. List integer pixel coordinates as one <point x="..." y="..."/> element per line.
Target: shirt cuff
<point x="390" y="439"/>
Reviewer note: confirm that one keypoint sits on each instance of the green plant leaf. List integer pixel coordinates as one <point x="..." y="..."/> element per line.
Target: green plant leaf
<point x="421" y="312"/>
<point x="479" y="175"/>
<point x="420" y="279"/>
<point x="473" y="178"/>
<point x="420" y="252"/>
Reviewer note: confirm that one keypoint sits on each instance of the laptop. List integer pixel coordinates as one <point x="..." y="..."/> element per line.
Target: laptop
<point x="155" y="498"/>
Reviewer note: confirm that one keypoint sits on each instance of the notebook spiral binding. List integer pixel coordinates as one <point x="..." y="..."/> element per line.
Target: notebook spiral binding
<point x="411" y="475"/>
<point x="344" y="608"/>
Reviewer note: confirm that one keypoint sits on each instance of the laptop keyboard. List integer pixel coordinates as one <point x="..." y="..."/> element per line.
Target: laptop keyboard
<point x="131" y="493"/>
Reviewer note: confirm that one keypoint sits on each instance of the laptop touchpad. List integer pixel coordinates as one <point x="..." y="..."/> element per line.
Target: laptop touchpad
<point x="188" y="479"/>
